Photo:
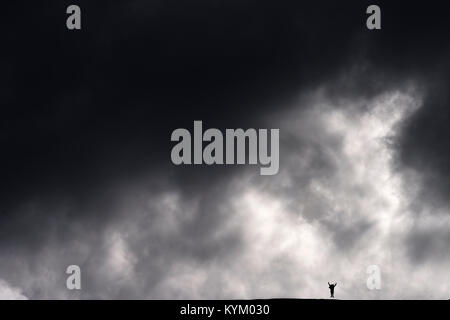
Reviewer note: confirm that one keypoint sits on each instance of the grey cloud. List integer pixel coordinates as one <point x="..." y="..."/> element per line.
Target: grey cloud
<point x="86" y="177"/>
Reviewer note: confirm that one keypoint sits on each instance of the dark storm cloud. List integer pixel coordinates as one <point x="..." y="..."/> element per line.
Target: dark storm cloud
<point x="425" y="145"/>
<point x="87" y="113"/>
<point x="101" y="103"/>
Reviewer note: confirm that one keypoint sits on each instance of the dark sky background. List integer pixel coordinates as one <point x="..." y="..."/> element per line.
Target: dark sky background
<point x="85" y="170"/>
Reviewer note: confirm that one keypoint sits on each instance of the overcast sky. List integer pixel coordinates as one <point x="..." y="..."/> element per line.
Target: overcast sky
<point x="86" y="176"/>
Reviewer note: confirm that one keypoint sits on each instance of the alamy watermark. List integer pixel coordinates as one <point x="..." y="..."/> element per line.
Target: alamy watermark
<point x="251" y="146"/>
<point x="374" y="280"/>
<point x="73" y="281"/>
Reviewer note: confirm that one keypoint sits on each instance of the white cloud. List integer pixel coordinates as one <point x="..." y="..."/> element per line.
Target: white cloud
<point x="10" y="293"/>
<point x="304" y="227"/>
<point x="336" y="207"/>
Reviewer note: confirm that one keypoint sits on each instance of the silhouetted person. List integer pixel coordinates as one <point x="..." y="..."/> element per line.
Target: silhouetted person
<point x="331" y="286"/>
